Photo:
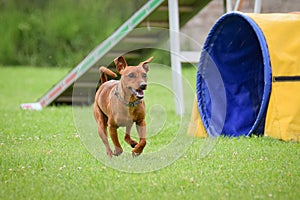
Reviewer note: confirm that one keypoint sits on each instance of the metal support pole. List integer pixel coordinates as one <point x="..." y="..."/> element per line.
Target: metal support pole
<point x="257" y="6"/>
<point x="237" y="5"/>
<point x="228" y="6"/>
<point x="175" y="54"/>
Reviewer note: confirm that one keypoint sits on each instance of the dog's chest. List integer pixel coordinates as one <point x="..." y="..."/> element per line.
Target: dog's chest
<point x="128" y="116"/>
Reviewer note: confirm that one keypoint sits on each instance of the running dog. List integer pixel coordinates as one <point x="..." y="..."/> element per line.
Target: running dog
<point x="121" y="104"/>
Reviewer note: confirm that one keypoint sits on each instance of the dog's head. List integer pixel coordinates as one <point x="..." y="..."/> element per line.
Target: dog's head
<point x="134" y="78"/>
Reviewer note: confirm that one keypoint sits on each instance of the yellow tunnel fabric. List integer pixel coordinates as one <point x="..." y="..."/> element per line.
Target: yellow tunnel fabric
<point x="196" y="127"/>
<point x="282" y="33"/>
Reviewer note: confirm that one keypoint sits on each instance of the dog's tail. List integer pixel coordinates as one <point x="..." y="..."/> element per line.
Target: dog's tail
<point x="105" y="71"/>
<point x="103" y="78"/>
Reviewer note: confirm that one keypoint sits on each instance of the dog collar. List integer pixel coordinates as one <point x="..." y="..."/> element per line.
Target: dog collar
<point x="129" y="104"/>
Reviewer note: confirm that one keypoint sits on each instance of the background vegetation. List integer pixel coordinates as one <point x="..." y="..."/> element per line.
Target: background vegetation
<point x="57" y="32"/>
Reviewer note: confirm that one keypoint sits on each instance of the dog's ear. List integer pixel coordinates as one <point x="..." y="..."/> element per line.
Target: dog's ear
<point x="145" y="64"/>
<point x="120" y="63"/>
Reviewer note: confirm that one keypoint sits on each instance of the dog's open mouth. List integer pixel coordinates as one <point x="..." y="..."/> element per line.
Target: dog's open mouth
<point x="138" y="93"/>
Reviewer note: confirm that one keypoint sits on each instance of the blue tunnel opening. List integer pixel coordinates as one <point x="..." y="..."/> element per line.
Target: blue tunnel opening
<point x="234" y="78"/>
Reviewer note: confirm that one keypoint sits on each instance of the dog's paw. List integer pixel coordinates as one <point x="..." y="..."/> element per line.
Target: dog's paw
<point x="118" y="152"/>
<point x="135" y="154"/>
<point x="109" y="153"/>
<point x="137" y="150"/>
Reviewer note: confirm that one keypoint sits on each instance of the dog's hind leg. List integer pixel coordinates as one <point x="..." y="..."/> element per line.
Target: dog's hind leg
<point x="102" y="129"/>
<point x="103" y="135"/>
<point x="114" y="137"/>
<point x="127" y="137"/>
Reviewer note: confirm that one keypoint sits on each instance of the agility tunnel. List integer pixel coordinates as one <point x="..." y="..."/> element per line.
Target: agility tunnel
<point x="248" y="79"/>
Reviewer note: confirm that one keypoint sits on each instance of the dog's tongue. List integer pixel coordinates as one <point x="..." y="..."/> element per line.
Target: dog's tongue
<point x="140" y="93"/>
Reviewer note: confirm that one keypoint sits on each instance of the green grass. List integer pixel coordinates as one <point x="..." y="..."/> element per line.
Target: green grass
<point x="43" y="157"/>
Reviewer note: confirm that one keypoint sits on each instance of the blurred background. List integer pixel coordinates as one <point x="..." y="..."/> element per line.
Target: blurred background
<point x="57" y="32"/>
<point x="62" y="32"/>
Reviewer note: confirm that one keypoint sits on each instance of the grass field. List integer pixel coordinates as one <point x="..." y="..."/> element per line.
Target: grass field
<point x="43" y="157"/>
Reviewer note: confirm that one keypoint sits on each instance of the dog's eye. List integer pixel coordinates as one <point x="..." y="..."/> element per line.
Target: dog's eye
<point x="145" y="75"/>
<point x="131" y="75"/>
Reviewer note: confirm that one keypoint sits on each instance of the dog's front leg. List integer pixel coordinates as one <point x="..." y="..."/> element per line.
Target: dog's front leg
<point x="114" y="137"/>
<point x="141" y="129"/>
<point x="127" y="137"/>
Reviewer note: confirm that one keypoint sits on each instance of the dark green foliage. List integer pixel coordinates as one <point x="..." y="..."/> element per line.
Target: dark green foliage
<point x="57" y="32"/>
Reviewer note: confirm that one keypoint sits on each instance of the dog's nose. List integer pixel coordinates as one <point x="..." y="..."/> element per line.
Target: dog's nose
<point x="143" y="86"/>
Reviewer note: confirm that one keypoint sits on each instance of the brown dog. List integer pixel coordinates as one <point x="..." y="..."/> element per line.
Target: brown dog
<point x="120" y="104"/>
